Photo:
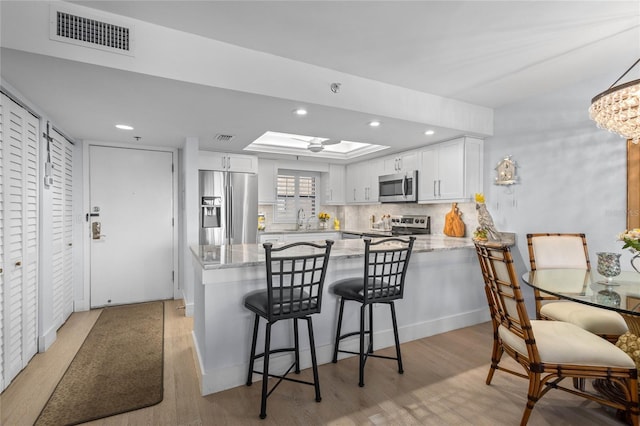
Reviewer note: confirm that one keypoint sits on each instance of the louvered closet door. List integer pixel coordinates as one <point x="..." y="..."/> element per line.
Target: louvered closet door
<point x="3" y="137"/>
<point x="62" y="224"/>
<point x="20" y="238"/>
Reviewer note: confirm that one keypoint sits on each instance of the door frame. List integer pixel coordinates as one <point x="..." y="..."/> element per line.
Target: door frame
<point x="83" y="297"/>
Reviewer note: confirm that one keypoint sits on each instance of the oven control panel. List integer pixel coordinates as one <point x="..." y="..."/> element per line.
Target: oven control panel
<point x="417" y="222"/>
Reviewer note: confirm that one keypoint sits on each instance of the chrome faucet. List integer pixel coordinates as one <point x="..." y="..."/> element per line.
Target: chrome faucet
<point x="300" y="223"/>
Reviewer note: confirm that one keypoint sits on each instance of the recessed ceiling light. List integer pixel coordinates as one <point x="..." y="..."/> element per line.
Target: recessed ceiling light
<point x="124" y="127"/>
<point x="374" y="123"/>
<point x="429" y="132"/>
<point x="300" y="111"/>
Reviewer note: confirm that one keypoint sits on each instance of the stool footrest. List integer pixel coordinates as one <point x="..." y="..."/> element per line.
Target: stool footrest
<point x="261" y="355"/>
<point x="368" y="354"/>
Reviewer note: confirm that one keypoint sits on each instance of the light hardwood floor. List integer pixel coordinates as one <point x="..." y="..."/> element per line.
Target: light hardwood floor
<point x="443" y="384"/>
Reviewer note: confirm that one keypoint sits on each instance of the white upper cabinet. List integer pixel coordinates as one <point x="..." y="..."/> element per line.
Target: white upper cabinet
<point x="227" y="162"/>
<point x="362" y="182"/>
<point x="450" y="171"/>
<point x="400" y="163"/>
<point x="333" y="185"/>
<point x="267" y="174"/>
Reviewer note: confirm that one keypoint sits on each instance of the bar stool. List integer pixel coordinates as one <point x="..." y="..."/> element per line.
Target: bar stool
<point x="295" y="279"/>
<point x="385" y="269"/>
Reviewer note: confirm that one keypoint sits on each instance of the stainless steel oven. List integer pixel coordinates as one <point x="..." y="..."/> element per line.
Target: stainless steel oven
<point x="410" y="225"/>
<point x="398" y="188"/>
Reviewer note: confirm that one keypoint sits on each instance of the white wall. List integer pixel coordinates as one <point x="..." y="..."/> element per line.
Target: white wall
<point x="572" y="174"/>
<point x="189" y="226"/>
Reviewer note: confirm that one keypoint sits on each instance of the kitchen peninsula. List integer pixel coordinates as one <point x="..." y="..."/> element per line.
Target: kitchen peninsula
<point x="444" y="291"/>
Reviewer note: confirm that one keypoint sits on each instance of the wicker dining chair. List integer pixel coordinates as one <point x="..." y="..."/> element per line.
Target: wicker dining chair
<point x="295" y="279"/>
<point x="548" y="351"/>
<point x="551" y="251"/>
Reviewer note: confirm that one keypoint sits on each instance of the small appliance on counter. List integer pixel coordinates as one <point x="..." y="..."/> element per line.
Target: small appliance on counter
<point x="410" y="225"/>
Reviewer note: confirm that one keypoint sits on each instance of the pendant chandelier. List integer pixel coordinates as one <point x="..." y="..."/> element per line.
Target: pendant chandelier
<point x="617" y="108"/>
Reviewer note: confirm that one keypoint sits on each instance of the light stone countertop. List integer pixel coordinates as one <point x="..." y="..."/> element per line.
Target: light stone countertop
<point x="244" y="255"/>
<point x="328" y="230"/>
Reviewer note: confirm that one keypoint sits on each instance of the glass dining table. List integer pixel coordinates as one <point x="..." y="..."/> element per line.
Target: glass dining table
<point x="621" y="295"/>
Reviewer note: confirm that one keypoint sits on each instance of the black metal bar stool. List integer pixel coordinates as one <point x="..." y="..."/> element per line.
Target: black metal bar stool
<point x="295" y="278"/>
<point x="385" y="268"/>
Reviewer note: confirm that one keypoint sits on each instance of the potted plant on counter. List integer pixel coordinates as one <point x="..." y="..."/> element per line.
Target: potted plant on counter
<point x="323" y="217"/>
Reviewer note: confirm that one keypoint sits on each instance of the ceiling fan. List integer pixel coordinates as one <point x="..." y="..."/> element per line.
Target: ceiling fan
<point x="318" y="144"/>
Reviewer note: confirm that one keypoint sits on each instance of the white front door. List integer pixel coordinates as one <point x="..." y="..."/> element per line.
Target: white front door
<point x="131" y="207"/>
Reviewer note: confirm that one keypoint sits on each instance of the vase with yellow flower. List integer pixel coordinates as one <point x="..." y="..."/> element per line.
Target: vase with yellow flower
<point x="323" y="217"/>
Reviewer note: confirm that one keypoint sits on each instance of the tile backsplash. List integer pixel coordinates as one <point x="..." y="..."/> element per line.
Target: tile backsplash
<point x="356" y="217"/>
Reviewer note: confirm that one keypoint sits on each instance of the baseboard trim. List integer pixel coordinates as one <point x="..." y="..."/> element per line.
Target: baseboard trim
<point x="236" y="375"/>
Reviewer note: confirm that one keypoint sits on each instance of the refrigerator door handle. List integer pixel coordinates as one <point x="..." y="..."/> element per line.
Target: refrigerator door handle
<point x="226" y="215"/>
<point x="230" y="222"/>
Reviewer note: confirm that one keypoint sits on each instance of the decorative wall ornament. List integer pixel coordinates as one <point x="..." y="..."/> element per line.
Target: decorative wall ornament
<point x="506" y="172"/>
<point x="487" y="229"/>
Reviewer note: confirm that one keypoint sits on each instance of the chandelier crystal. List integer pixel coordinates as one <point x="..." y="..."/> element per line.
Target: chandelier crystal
<point x="617" y="109"/>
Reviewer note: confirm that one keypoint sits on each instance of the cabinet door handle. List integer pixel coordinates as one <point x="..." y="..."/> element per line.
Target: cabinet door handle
<point x="439" y="193"/>
<point x="18" y="263"/>
<point x="229" y="163"/>
<point x="354" y="194"/>
<point x="1" y="270"/>
<point x="434" y="188"/>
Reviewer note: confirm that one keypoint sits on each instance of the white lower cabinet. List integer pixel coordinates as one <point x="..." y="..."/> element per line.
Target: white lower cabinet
<point x="271" y="238"/>
<point x="294" y="237"/>
<point x="311" y="236"/>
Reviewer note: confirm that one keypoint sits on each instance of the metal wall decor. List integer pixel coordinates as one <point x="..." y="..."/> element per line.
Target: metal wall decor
<point x="506" y="172"/>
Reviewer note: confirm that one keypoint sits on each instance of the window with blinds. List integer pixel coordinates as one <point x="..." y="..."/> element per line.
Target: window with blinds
<point x="296" y="190"/>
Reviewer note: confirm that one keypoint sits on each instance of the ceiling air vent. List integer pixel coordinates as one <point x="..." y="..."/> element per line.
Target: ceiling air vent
<point x="87" y="31"/>
<point x="223" y="138"/>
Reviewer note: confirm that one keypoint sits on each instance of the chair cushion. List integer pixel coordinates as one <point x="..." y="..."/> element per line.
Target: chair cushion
<point x="564" y="343"/>
<point x="353" y="289"/>
<point x="590" y="318"/>
<point x="559" y="251"/>
<point x="258" y="302"/>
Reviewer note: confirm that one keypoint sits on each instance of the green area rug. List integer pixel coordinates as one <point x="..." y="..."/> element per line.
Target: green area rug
<point x="119" y="367"/>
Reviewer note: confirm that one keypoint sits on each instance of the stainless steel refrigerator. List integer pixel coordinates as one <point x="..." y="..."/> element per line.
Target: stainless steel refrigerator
<point x="228" y="207"/>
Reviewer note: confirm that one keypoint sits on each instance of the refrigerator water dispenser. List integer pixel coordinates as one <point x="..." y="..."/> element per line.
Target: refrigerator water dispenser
<point x="211" y="212"/>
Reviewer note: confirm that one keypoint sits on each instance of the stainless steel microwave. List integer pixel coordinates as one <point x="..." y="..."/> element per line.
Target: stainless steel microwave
<point x="398" y="188"/>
